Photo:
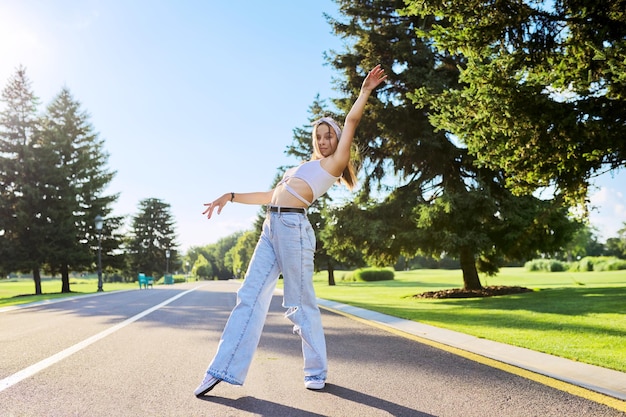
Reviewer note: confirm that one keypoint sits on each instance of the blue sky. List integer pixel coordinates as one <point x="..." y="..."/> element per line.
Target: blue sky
<point x="194" y="98"/>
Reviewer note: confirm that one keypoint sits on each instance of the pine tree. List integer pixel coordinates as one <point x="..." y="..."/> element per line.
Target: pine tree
<point x="22" y="197"/>
<point x="544" y="87"/>
<point x="152" y="234"/>
<point x="76" y="183"/>
<point x="422" y="190"/>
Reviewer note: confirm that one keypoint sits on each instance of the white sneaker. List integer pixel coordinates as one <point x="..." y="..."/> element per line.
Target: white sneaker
<point x="314" y="382"/>
<point x="207" y="385"/>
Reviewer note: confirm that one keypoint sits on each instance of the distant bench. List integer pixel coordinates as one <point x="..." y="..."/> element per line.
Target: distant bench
<point x="145" y="281"/>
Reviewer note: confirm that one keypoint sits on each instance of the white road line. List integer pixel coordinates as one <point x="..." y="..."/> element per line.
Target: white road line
<point x="39" y="366"/>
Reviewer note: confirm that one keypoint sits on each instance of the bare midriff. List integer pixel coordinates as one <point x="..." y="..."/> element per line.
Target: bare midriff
<point x="283" y="198"/>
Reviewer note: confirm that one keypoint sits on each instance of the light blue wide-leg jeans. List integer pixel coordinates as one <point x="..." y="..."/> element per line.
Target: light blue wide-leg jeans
<point x="286" y="246"/>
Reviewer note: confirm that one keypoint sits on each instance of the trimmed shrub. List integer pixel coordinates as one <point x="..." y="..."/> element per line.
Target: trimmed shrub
<point x="585" y="264"/>
<point x="548" y="265"/>
<point x="616" y="265"/>
<point x="600" y="263"/>
<point x="373" y="274"/>
<point x="348" y="276"/>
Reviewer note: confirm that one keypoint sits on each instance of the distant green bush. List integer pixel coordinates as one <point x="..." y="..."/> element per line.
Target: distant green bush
<point x="616" y="265"/>
<point x="373" y="274"/>
<point x="585" y="264"/>
<point x="599" y="264"/>
<point x="547" y="265"/>
<point x="348" y="276"/>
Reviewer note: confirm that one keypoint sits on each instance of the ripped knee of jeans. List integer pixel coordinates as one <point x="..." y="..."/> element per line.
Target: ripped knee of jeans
<point x="291" y="315"/>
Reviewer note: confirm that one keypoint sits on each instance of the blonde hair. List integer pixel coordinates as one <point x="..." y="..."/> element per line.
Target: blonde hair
<point x="348" y="176"/>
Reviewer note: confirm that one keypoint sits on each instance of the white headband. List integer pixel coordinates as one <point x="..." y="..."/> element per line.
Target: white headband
<point x="332" y="124"/>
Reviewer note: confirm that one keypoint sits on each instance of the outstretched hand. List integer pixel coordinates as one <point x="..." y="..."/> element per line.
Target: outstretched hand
<point x="219" y="204"/>
<point x="374" y="78"/>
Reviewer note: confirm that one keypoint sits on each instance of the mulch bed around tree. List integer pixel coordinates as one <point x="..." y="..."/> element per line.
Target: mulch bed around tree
<point x="484" y="292"/>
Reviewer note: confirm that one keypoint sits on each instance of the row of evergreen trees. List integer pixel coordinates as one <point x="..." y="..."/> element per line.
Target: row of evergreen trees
<point x="53" y="176"/>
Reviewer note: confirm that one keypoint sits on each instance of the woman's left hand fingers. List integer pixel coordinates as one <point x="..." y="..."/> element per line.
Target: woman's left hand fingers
<point x="209" y="209"/>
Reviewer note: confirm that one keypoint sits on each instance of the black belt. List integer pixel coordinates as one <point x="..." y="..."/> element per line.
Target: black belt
<point x="276" y="209"/>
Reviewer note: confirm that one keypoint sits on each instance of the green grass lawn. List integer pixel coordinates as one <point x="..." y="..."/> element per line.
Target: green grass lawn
<point x="21" y="291"/>
<point x="579" y="315"/>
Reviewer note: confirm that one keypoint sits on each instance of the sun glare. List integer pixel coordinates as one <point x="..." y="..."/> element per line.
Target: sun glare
<point x="20" y="41"/>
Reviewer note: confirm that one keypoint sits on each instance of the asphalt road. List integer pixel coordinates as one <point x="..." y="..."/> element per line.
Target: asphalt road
<point x="143" y="352"/>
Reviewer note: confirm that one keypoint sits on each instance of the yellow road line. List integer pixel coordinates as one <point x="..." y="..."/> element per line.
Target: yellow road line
<point x="542" y="379"/>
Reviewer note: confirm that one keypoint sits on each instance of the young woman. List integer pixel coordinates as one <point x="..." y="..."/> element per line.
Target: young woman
<point x="286" y="247"/>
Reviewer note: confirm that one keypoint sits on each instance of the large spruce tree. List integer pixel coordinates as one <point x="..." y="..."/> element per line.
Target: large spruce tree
<point x="152" y="234"/>
<point x="543" y="92"/>
<point x="423" y="191"/>
<point x="77" y="178"/>
<point x="22" y="181"/>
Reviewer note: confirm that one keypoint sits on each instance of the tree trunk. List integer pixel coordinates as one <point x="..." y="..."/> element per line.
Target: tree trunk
<point x="37" y="279"/>
<point x="331" y="274"/>
<point x="470" y="273"/>
<point x="65" y="279"/>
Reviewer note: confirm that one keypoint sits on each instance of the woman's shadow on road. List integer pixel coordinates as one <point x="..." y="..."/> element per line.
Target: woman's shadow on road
<point x="272" y="409"/>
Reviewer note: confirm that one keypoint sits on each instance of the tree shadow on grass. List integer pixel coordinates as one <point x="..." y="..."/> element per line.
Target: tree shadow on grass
<point x="395" y="284"/>
<point x="566" y="301"/>
<point x="504" y="312"/>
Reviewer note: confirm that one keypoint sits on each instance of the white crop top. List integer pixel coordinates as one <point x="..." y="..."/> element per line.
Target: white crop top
<point x="314" y="175"/>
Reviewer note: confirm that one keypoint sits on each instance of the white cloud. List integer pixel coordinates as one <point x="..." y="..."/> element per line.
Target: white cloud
<point x="608" y="211"/>
<point x="600" y="197"/>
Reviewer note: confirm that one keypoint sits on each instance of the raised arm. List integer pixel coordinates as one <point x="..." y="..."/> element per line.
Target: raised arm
<point x="372" y="80"/>
<point x="259" y="198"/>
